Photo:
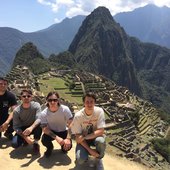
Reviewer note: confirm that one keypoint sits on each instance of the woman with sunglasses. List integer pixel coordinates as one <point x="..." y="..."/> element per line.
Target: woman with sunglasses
<point x="26" y="122"/>
<point x="55" y="120"/>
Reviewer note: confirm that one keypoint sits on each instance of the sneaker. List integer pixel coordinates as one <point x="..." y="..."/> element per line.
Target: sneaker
<point x="8" y="135"/>
<point x="48" y="153"/>
<point x="36" y="148"/>
<point x="99" y="165"/>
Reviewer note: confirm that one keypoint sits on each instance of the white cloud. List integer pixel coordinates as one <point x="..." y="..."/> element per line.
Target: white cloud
<point x="162" y="2"/>
<point x="55" y="7"/>
<point x="44" y="2"/>
<point x="84" y="7"/>
<point x="75" y="11"/>
<point x="65" y="2"/>
<point x="56" y="20"/>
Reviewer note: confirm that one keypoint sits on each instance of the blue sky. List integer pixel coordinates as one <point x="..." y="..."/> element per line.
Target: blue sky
<point x="34" y="15"/>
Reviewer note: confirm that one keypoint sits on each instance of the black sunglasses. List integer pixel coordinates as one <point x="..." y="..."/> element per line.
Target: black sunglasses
<point x="28" y="96"/>
<point x="52" y="100"/>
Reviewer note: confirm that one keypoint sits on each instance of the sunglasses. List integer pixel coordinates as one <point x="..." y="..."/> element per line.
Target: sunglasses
<point x="52" y="100"/>
<point x="28" y="96"/>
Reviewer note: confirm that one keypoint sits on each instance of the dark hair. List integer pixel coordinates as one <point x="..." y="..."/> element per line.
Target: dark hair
<point x="3" y="79"/>
<point x="26" y="91"/>
<point x="50" y="94"/>
<point x="89" y="94"/>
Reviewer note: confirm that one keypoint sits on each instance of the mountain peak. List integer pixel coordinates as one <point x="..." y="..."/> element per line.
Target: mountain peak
<point x="100" y="47"/>
<point x="99" y="20"/>
<point x="101" y="12"/>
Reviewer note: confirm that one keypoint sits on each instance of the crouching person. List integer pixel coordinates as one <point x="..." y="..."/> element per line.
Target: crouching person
<point x="88" y="126"/>
<point x="7" y="104"/>
<point x="55" y="121"/>
<point x="26" y="122"/>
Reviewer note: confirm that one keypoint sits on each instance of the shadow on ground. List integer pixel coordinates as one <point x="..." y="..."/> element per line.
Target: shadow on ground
<point x="25" y="153"/>
<point x="58" y="158"/>
<point x="4" y="143"/>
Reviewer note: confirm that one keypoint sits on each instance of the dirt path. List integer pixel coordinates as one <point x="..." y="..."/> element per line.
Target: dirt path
<point x="22" y="158"/>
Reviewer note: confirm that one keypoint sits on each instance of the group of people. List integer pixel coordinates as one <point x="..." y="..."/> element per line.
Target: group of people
<point x="54" y="123"/>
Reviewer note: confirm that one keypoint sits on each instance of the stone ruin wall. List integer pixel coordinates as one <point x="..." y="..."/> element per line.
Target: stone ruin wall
<point x="117" y="103"/>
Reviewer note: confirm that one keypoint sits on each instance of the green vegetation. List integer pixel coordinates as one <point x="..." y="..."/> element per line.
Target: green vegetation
<point x="29" y="56"/>
<point x="154" y="90"/>
<point x="59" y="84"/>
<point x="64" y="60"/>
<point x="164" y="116"/>
<point x="39" y="66"/>
<point x="163" y="147"/>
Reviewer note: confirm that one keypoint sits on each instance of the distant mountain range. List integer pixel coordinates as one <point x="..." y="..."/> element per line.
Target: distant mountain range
<point x="149" y="24"/>
<point x="102" y="47"/>
<point x="54" y="39"/>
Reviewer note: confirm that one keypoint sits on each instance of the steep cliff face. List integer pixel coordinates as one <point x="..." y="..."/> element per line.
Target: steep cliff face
<point x="103" y="47"/>
<point x="152" y="63"/>
<point x="100" y="47"/>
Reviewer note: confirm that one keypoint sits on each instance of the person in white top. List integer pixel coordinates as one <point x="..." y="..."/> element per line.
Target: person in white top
<point x="55" y="121"/>
<point x="88" y="127"/>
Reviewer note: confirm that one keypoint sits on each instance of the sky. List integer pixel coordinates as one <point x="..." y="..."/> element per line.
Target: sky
<point x="34" y="15"/>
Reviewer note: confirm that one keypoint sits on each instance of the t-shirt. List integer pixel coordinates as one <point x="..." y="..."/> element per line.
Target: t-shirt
<point x="84" y="124"/>
<point x="56" y="121"/>
<point x="26" y="116"/>
<point x="7" y="100"/>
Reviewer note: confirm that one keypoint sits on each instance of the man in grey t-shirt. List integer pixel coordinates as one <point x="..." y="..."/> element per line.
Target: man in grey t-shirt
<point x="26" y="122"/>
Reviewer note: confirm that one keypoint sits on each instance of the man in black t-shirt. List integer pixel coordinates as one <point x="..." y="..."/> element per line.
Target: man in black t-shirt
<point x="7" y="102"/>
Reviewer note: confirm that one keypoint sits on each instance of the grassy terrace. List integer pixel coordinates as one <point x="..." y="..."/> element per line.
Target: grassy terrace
<point x="58" y="84"/>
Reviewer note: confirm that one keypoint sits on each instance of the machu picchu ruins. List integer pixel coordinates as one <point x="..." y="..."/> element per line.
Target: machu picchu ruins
<point x="131" y="122"/>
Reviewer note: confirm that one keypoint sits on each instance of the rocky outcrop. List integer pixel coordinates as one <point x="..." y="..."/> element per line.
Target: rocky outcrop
<point x="100" y="47"/>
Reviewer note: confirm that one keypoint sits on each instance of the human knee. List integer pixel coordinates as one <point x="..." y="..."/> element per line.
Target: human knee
<point x="100" y="141"/>
<point x="100" y="146"/>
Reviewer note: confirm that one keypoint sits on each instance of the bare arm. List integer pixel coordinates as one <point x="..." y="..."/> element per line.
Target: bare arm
<point x="11" y="114"/>
<point x="28" y="139"/>
<point x="47" y="131"/>
<point x="37" y="121"/>
<point x="81" y="140"/>
<point x="69" y="128"/>
<point x="67" y="142"/>
<point x="4" y="126"/>
<point x="28" y="130"/>
<point x="96" y="133"/>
